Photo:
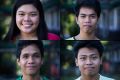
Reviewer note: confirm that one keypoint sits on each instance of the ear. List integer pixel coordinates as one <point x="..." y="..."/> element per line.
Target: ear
<point x="42" y="61"/>
<point x="76" y="18"/>
<point x="18" y="62"/>
<point x="76" y="61"/>
<point x="101" y="61"/>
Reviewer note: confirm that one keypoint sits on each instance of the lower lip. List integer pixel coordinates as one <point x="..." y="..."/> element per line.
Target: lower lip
<point x="87" y="26"/>
<point x="90" y="68"/>
<point x="31" y="67"/>
<point x="27" y="26"/>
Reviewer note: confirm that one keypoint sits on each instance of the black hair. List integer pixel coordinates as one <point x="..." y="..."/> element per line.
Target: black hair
<point x="89" y="44"/>
<point x="42" y="31"/>
<point x="94" y="4"/>
<point x="23" y="43"/>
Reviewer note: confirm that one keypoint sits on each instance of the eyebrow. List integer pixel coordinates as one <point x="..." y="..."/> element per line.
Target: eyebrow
<point x="25" y="12"/>
<point x="87" y="14"/>
<point x="87" y="55"/>
<point x="34" y="53"/>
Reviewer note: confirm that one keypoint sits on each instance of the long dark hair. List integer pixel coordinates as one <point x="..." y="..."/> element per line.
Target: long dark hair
<point x="41" y="29"/>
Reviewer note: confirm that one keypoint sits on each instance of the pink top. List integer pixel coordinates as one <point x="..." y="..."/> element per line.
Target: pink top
<point x="52" y="36"/>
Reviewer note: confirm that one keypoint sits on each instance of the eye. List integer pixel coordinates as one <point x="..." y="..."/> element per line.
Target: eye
<point x="33" y="14"/>
<point x="94" y="57"/>
<point x="21" y="14"/>
<point x="93" y="16"/>
<point x="36" y="55"/>
<point x="25" y="56"/>
<point x="83" y="16"/>
<point x="82" y="58"/>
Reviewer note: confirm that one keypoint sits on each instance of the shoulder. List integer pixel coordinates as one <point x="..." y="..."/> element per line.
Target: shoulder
<point x="52" y="36"/>
<point x="19" y="78"/>
<point x="44" y="78"/>
<point x="78" y="78"/>
<point x="71" y="38"/>
<point x="105" y="78"/>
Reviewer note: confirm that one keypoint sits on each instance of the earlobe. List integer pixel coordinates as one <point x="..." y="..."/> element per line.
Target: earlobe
<point x="18" y="62"/>
<point x="76" y="62"/>
<point x="101" y="61"/>
<point x="42" y="61"/>
<point x="76" y="20"/>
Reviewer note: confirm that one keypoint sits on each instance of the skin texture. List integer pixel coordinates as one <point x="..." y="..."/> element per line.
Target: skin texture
<point x="88" y="61"/>
<point x="30" y="62"/>
<point x="27" y="20"/>
<point x="87" y="21"/>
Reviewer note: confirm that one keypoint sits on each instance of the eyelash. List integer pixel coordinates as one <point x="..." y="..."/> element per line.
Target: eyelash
<point x="84" y="58"/>
<point x="21" y="14"/>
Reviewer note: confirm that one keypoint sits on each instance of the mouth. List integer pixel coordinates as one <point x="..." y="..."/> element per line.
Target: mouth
<point x="89" y="68"/>
<point x="87" y="26"/>
<point x="26" y="24"/>
<point x="31" y="67"/>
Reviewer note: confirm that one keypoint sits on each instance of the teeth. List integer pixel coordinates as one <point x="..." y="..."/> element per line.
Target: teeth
<point x="27" y="25"/>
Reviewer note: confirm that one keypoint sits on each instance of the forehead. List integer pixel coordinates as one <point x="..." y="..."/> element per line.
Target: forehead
<point x="87" y="51"/>
<point x="27" y="8"/>
<point x="30" y="49"/>
<point x="86" y="10"/>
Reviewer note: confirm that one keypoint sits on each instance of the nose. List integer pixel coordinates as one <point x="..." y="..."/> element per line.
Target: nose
<point x="88" y="62"/>
<point x="87" y="19"/>
<point x="26" y="18"/>
<point x="30" y="60"/>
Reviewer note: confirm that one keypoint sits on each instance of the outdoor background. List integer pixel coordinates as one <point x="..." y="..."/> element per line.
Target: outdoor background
<point x="108" y="27"/>
<point x="50" y="68"/>
<point x="110" y="66"/>
<point x="51" y="11"/>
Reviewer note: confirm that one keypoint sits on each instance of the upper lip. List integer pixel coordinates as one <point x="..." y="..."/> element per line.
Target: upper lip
<point x="87" y="25"/>
<point x="30" y="66"/>
<point x="27" y="23"/>
<point x="89" y="67"/>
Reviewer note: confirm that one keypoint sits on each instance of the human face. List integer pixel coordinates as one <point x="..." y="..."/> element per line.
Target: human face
<point x="88" y="61"/>
<point x="27" y="18"/>
<point x="87" y="20"/>
<point x="30" y="60"/>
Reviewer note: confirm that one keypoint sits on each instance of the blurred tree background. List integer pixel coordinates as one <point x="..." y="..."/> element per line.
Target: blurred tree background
<point x="109" y="67"/>
<point x="5" y="12"/>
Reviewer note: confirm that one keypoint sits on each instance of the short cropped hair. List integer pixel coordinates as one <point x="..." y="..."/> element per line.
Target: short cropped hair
<point x="94" y="4"/>
<point x="23" y="43"/>
<point x="89" y="44"/>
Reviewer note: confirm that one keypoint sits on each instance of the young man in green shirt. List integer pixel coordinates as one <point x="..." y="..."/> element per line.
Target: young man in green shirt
<point x="30" y="55"/>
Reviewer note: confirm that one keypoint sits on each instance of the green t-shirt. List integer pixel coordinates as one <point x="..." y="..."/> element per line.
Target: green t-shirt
<point x="42" y="78"/>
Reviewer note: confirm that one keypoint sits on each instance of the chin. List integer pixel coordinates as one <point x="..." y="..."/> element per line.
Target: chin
<point x="90" y="74"/>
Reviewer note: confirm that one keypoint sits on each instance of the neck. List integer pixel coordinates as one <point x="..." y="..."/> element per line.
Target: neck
<point x="96" y="77"/>
<point x="29" y="77"/>
<point x="86" y="36"/>
<point x="29" y="36"/>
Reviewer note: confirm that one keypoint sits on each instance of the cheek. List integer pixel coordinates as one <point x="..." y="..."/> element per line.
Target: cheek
<point x="22" y="64"/>
<point x="80" y="22"/>
<point x="94" y="21"/>
<point x="97" y="63"/>
<point x="18" y="20"/>
<point x="35" y="20"/>
<point x="80" y="64"/>
<point x="39" y="62"/>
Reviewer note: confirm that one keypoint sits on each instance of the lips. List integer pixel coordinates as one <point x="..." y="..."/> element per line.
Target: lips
<point x="26" y="24"/>
<point x="31" y="67"/>
<point x="89" y="68"/>
<point x="87" y="25"/>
